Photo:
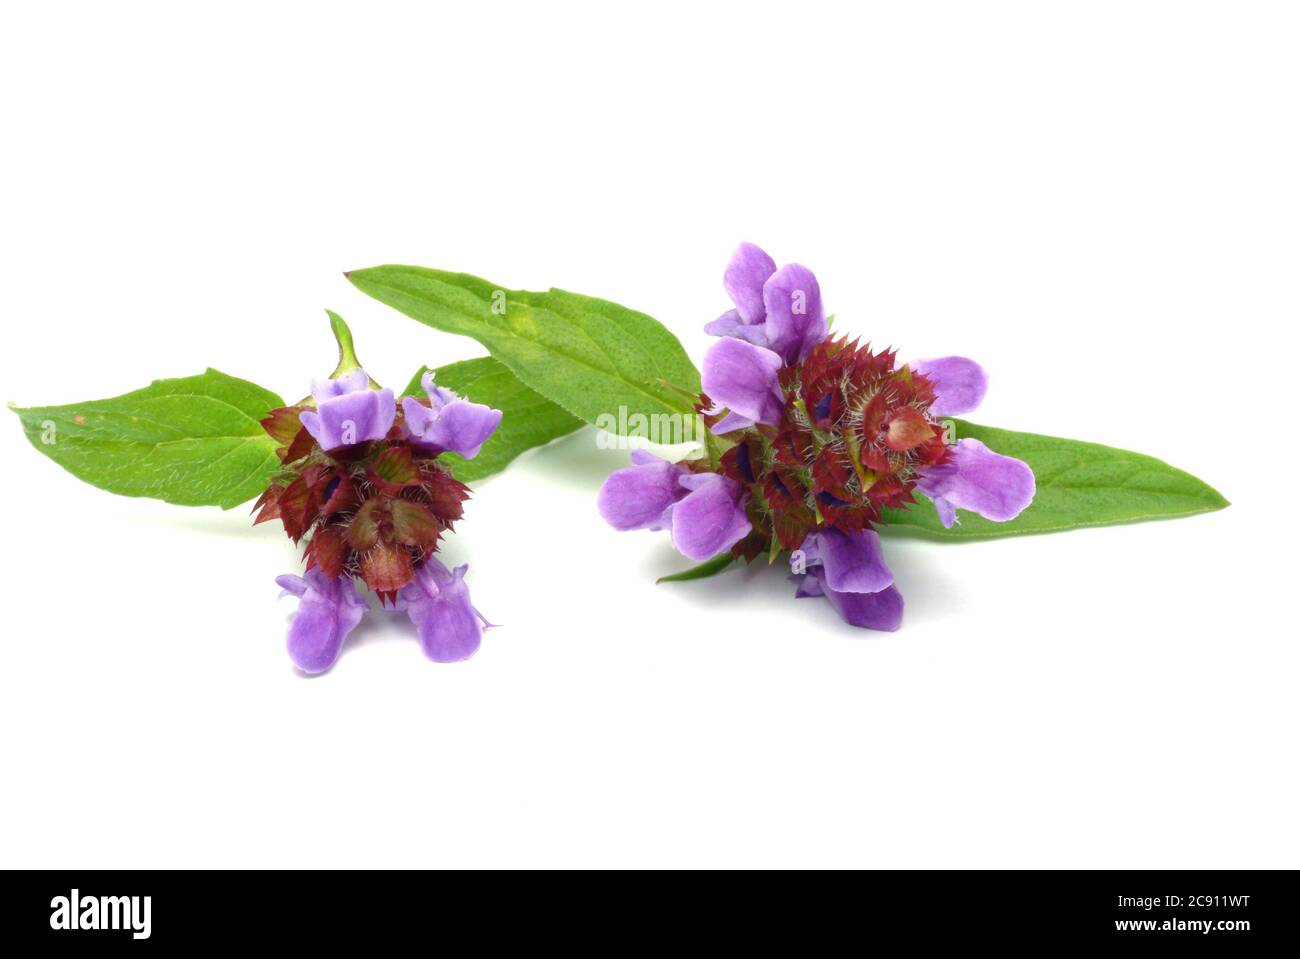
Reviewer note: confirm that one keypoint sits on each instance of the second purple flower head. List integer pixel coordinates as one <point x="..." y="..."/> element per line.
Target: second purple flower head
<point x="814" y="439"/>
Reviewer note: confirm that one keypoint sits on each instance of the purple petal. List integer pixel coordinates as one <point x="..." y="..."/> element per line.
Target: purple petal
<point x="353" y="382"/>
<point x="439" y="396"/>
<point x="351" y="418"/>
<point x="291" y="584"/>
<point x="810" y="585"/>
<point x="960" y="384"/>
<point x="637" y="497"/>
<point x="947" y="512"/>
<point x="732" y="422"/>
<point x="744" y="278"/>
<point x="742" y="377"/>
<point x="458" y="425"/>
<point x="644" y="458"/>
<point x="730" y="324"/>
<point x="795" y="320"/>
<point x="882" y="610"/>
<point x="329" y="609"/>
<point x="711" y="519"/>
<point x="996" y="487"/>
<point x="852" y="562"/>
<point x="438" y="603"/>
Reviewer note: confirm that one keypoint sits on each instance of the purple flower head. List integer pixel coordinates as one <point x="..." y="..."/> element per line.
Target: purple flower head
<point x="329" y="609"/>
<point x="437" y="601"/>
<point x="348" y="411"/>
<point x="365" y="488"/>
<point x="745" y="380"/>
<point x="448" y="422"/>
<point x="818" y="440"/>
<point x="705" y="511"/>
<point x="780" y="310"/>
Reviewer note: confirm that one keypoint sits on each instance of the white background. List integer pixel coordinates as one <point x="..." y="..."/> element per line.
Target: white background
<point x="1097" y="201"/>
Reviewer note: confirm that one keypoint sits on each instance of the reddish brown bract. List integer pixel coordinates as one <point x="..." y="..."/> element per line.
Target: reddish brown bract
<point x="855" y="431"/>
<point x="373" y="511"/>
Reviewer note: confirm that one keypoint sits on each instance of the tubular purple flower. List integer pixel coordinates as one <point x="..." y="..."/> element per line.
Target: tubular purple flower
<point x="437" y="601"/>
<point x="348" y="412"/>
<point x="853" y="562"/>
<point x="328" y="610"/>
<point x="882" y="610"/>
<point x="780" y="310"/>
<point x="959" y="384"/>
<point x="996" y="487"/>
<point x="641" y="496"/>
<point x="448" y="422"/>
<point x="705" y="511"/>
<point x="742" y="378"/>
<point x="711" y="518"/>
<point x="849" y="570"/>
<point x="743" y="280"/>
<point x="795" y="319"/>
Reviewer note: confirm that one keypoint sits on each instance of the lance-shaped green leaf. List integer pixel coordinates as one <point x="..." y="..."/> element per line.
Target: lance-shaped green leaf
<point x="194" y="441"/>
<point x="1079" y="484"/>
<point x="591" y="357"/>
<point x="527" y="420"/>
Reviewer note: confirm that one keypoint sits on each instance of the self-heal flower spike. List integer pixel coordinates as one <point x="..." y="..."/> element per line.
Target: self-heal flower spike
<point x="362" y="483"/>
<point x="816" y="438"/>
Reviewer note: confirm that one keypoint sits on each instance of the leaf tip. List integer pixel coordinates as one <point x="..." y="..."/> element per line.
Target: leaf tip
<point x="1214" y="500"/>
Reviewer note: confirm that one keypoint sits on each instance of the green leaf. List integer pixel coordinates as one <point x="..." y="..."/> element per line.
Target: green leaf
<point x="589" y="356"/>
<point x="708" y="568"/>
<point x="527" y="419"/>
<point x="1079" y="484"/>
<point x="194" y="441"/>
